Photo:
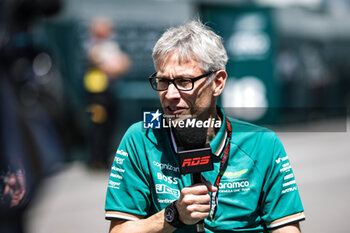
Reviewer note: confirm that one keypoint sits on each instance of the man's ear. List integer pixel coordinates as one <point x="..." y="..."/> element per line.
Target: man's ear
<point x="219" y="82"/>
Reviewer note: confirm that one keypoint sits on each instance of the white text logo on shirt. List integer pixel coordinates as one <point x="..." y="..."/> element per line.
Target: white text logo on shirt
<point x="162" y="188"/>
<point x="241" y="185"/>
<point x="167" y="166"/>
<point x="168" y="179"/>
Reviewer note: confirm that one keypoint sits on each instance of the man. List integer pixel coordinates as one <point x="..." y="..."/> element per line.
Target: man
<point x="254" y="187"/>
<point x="107" y="62"/>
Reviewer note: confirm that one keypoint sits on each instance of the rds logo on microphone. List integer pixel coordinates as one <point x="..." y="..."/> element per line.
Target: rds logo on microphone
<point x="195" y="161"/>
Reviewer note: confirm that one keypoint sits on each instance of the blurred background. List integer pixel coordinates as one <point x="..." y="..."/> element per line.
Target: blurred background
<point x="289" y="69"/>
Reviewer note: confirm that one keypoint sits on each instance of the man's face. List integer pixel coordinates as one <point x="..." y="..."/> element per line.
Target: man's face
<point x="199" y="102"/>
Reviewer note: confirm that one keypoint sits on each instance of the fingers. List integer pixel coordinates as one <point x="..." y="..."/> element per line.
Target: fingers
<point x="194" y="202"/>
<point x="11" y="181"/>
<point x="15" y="187"/>
<point x="197" y="189"/>
<point x="202" y="188"/>
<point x="15" y="200"/>
<point x="17" y="196"/>
<point x="191" y="199"/>
<point x="7" y="190"/>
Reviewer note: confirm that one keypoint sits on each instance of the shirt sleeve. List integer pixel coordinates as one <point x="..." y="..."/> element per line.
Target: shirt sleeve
<point x="128" y="188"/>
<point x="281" y="200"/>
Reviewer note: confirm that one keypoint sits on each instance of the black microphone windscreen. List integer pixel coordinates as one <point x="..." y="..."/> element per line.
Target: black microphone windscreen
<point x="192" y="137"/>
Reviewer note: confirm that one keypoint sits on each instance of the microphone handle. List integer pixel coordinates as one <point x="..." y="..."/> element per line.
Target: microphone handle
<point x="196" y="179"/>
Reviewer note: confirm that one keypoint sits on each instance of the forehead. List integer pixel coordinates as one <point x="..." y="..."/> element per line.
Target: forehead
<point x="174" y="63"/>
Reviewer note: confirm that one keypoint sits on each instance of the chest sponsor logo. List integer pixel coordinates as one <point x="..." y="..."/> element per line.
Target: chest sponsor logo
<point x="166" y="166"/>
<point x="234" y="181"/>
<point x="162" y="188"/>
<point x="234" y="186"/>
<point x="234" y="175"/>
<point x="166" y="201"/>
<point x="168" y="179"/>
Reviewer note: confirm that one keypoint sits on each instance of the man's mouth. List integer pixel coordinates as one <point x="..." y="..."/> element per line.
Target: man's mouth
<point x="175" y="110"/>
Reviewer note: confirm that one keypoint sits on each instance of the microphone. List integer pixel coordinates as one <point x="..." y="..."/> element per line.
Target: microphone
<point x="196" y="156"/>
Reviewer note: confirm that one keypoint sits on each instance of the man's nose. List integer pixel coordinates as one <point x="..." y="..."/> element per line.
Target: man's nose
<point x="172" y="92"/>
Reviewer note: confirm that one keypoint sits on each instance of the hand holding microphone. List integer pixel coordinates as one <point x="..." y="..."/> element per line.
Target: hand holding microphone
<point x="196" y="157"/>
<point x="193" y="205"/>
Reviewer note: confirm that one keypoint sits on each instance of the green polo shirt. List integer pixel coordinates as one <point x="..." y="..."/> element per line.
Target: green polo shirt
<point x="257" y="190"/>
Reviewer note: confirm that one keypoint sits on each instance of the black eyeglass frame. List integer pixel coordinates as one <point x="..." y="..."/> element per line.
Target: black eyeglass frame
<point x="153" y="76"/>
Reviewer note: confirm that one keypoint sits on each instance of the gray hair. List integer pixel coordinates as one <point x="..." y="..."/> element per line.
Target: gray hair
<point x="192" y="41"/>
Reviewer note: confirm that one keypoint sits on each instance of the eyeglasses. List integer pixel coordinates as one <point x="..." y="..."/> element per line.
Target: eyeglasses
<point x="182" y="83"/>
